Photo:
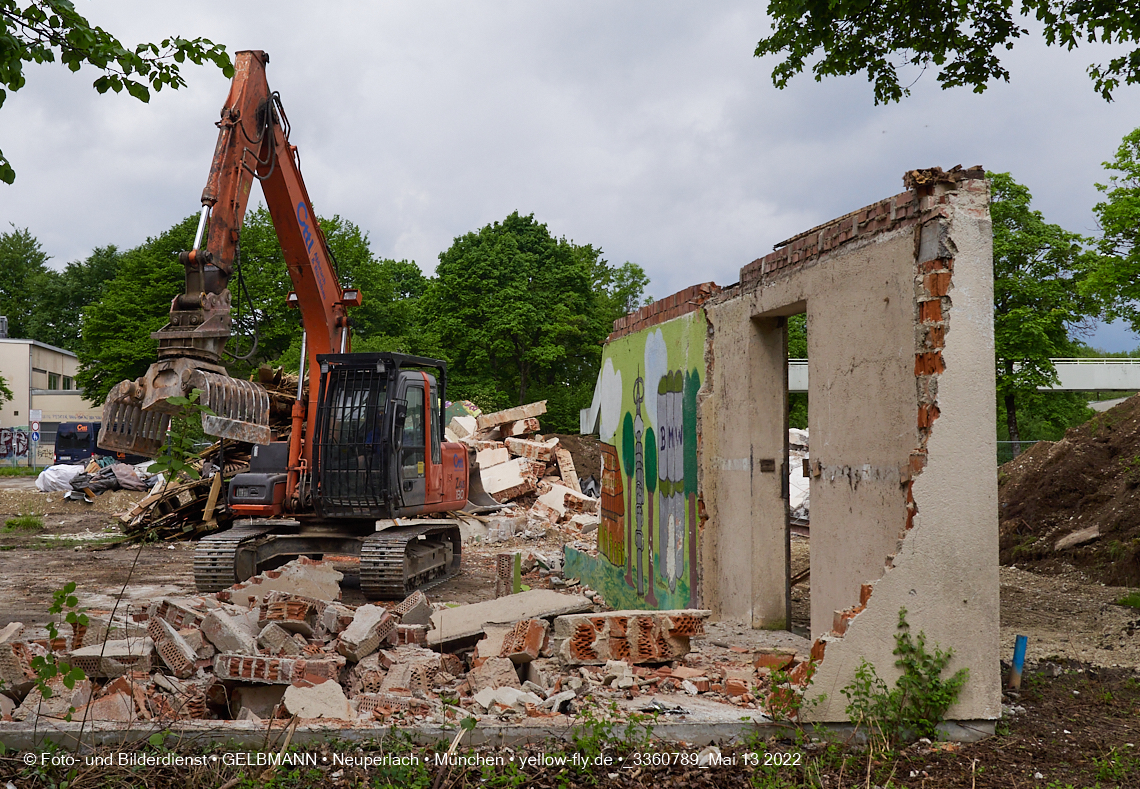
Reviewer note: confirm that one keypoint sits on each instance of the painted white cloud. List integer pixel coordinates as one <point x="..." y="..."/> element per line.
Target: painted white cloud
<point x="611" y="401"/>
<point x="656" y="365"/>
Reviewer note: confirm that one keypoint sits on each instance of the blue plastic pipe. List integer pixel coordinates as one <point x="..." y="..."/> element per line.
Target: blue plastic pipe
<point x="1018" y="662"/>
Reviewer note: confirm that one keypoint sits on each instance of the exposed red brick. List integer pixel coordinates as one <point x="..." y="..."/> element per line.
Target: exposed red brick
<point x="865" y="590"/>
<point x="930" y="311"/>
<point x="928" y="363"/>
<point x="937" y="284"/>
<point x="735" y="687"/>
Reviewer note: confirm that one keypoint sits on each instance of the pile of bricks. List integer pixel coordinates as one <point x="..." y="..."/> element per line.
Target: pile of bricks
<point x="284" y="644"/>
<point x="516" y="464"/>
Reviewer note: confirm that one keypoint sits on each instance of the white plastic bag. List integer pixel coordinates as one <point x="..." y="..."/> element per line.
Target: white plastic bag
<point x="57" y="477"/>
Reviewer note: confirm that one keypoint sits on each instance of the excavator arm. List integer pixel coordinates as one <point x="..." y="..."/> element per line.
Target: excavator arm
<point x="253" y="144"/>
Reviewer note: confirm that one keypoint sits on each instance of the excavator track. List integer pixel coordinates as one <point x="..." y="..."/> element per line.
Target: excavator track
<point x="387" y="563"/>
<point x="215" y="554"/>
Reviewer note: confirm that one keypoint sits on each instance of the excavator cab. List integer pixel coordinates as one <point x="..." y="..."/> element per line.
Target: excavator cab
<point x="379" y="448"/>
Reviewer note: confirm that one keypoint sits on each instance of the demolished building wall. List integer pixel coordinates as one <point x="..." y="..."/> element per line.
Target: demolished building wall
<point x="898" y="297"/>
<point x="648" y="541"/>
<point x="899" y="301"/>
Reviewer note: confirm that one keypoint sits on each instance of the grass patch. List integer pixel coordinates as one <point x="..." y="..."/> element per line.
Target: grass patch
<point x="20" y="471"/>
<point x="1132" y="600"/>
<point x="22" y="523"/>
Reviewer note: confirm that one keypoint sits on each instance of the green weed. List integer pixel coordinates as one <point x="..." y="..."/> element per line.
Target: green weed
<point x="920" y="698"/>
<point x="22" y="523"/>
<point x="1132" y="600"/>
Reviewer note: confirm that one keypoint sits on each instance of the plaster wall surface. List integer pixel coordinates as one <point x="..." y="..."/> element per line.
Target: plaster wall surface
<point x="898" y="299"/>
<point x="946" y="571"/>
<point x="742" y="426"/>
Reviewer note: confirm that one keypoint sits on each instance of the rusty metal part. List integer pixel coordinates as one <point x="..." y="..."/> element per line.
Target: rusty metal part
<point x="170" y="378"/>
<point x="241" y="408"/>
<point x="127" y="427"/>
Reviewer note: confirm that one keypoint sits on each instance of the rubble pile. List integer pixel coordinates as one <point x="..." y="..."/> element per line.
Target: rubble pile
<point x="518" y="466"/>
<point x="283" y="644"/>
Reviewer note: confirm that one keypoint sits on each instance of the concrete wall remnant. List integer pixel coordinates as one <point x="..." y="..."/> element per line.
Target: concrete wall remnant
<point x="899" y="303"/>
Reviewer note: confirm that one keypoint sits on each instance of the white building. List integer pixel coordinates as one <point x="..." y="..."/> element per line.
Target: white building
<point x="41" y="377"/>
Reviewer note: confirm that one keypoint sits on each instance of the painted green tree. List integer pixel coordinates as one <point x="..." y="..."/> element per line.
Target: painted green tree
<point x="44" y="31"/>
<point x="958" y="39"/>
<point x="650" y="439"/>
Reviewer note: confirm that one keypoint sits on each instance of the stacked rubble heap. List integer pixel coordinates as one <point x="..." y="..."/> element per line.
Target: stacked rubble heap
<point x="283" y="644"/>
<point x="517" y="465"/>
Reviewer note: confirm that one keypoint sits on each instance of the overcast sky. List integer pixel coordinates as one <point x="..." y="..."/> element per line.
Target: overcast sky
<point x="645" y="128"/>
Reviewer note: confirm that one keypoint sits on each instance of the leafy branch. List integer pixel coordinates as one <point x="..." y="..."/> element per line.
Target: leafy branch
<point x="65" y="605"/>
<point x="47" y="30"/>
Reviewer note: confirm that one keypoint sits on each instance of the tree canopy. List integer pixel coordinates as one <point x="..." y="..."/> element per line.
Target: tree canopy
<point x="43" y="31"/>
<point x="959" y="38"/>
<point x="521" y="315"/>
<point x="1039" y="273"/>
<point x="22" y="265"/>
<point x="1117" y="284"/>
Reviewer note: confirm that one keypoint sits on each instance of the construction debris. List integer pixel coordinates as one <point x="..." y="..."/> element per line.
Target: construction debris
<point x="233" y="655"/>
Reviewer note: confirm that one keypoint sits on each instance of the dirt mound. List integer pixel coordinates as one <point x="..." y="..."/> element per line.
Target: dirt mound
<point x="1076" y="502"/>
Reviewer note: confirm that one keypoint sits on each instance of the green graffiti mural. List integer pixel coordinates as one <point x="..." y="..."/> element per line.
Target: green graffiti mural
<point x="648" y="539"/>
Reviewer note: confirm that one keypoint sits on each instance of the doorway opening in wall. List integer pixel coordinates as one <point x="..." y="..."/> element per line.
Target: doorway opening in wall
<point x="796" y="484"/>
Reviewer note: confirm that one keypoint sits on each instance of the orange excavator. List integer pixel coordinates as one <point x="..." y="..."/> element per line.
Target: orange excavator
<point x="366" y="464"/>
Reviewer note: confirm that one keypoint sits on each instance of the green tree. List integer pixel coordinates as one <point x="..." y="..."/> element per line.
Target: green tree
<point x="22" y="264"/>
<point x="1039" y="270"/>
<point x="116" y="342"/>
<point x="957" y="38"/>
<point x="5" y="392"/>
<point x="43" y="31"/>
<point x="60" y="297"/>
<point x="521" y="316"/>
<point x="1116" y="283"/>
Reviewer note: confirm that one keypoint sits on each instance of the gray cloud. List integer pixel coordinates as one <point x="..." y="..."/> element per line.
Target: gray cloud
<point x="647" y="129"/>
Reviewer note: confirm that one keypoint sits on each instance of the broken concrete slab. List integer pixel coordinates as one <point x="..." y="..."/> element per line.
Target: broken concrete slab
<point x="523" y="427"/>
<point x="114" y="658"/>
<point x="636" y="636"/>
<point x="541" y="451"/>
<point x="486" y="458"/>
<point x="302" y="576"/>
<point x="324" y="700"/>
<point x="118" y="707"/>
<point x="567" y="470"/>
<point x="486" y="421"/>
<point x="462" y="426"/>
<point x="508" y="480"/>
<point x="491" y="645"/>
<point x="467" y="621"/>
<point x="414" y="610"/>
<point x="11" y="632"/>
<point x="493" y="673"/>
<point x="370" y="626"/>
<point x="228" y="633"/>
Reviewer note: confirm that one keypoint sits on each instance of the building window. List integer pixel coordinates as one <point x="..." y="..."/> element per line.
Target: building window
<point x="67" y="383"/>
<point x="53" y="381"/>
